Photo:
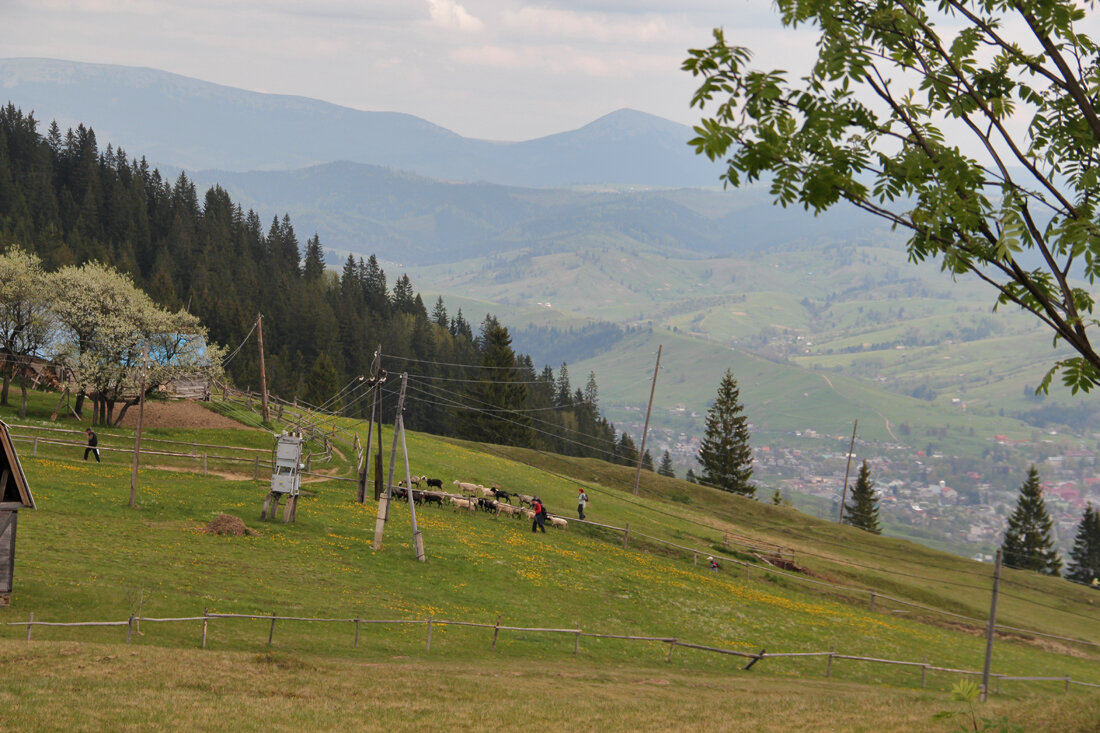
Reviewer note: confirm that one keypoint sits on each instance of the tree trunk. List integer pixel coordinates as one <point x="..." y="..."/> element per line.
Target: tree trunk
<point x="23" y="388"/>
<point x="126" y="405"/>
<point x="78" y="408"/>
<point x="4" y="390"/>
<point x="108" y="412"/>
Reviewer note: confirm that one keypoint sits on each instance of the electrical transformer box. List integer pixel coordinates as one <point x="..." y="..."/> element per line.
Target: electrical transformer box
<point x="287" y="476"/>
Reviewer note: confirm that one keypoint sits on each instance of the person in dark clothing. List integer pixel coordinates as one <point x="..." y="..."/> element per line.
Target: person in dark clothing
<point x="540" y="516"/>
<point x="93" y="441"/>
<point x="582" y="502"/>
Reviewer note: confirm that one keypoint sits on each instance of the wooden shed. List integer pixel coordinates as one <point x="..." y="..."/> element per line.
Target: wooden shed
<point x="15" y="494"/>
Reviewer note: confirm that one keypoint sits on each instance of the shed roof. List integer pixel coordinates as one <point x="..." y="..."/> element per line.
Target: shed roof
<point x="14" y="489"/>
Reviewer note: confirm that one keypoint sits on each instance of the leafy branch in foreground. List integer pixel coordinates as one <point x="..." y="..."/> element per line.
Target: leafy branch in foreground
<point x="868" y="125"/>
<point x="968" y="691"/>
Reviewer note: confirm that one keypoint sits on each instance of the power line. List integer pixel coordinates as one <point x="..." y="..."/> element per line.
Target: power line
<point x="452" y="403"/>
<point x="230" y="357"/>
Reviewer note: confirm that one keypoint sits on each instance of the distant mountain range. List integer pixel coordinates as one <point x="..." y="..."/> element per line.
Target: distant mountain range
<point x="192" y="124"/>
<point x="407" y="218"/>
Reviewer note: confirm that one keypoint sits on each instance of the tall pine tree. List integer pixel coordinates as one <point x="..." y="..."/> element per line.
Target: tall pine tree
<point x="1028" y="544"/>
<point x="665" y="469"/>
<point x="863" y="511"/>
<point x="499" y="391"/>
<point x="1084" y="559"/>
<point x="725" y="454"/>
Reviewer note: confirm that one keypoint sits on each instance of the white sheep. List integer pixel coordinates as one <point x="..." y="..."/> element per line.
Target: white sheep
<point x="467" y="488"/>
<point x="559" y="522"/>
<point x="462" y="503"/>
<point x="507" y="509"/>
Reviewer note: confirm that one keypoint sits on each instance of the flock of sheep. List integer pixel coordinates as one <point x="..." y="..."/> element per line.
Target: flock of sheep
<point x="472" y="497"/>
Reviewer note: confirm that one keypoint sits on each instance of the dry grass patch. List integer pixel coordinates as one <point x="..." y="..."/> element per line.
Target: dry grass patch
<point x="77" y="686"/>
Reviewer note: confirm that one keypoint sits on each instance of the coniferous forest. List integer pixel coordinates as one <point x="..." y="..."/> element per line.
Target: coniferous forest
<point x="69" y="202"/>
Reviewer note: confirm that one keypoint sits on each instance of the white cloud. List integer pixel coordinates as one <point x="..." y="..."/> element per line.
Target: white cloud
<point x="449" y="14"/>
<point x="600" y="27"/>
<point x="555" y="59"/>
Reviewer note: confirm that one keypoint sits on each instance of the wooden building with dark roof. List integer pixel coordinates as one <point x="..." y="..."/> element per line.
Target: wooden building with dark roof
<point x="15" y="494"/>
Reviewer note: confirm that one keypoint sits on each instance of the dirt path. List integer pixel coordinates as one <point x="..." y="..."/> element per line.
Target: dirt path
<point x="180" y="414"/>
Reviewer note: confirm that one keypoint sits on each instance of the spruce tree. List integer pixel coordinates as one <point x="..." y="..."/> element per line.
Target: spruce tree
<point x="690" y="476"/>
<point x="725" y="453"/>
<point x="665" y="469"/>
<point x="499" y="392"/>
<point x="863" y="511"/>
<point x="647" y="460"/>
<point x="1084" y="564"/>
<point x="1027" y="543"/>
<point x="626" y="452"/>
<point x="777" y="498"/>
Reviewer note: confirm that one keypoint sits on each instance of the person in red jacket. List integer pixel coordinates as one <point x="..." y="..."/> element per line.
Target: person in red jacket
<point x="540" y="516"/>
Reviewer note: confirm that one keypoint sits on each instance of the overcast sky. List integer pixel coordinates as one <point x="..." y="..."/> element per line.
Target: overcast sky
<point x="495" y="69"/>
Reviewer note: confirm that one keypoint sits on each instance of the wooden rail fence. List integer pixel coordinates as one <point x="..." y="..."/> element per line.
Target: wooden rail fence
<point x="133" y="621"/>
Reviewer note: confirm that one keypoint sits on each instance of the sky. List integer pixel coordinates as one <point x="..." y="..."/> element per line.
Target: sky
<point x="491" y="69"/>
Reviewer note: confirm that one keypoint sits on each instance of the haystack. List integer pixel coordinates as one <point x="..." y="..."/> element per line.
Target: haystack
<point x="230" y="525"/>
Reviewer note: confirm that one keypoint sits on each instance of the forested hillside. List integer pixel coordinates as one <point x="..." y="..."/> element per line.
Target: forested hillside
<point x="69" y="202"/>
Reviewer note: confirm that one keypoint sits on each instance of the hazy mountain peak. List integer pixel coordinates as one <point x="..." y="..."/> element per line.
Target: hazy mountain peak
<point x="180" y="121"/>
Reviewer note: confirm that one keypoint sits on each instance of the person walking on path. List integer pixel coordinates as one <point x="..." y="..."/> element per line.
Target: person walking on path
<point x="93" y="441"/>
<point x="713" y="565"/>
<point x="582" y="502"/>
<point x="540" y="516"/>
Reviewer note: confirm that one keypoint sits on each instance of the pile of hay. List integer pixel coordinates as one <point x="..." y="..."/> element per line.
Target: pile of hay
<point x="230" y="525"/>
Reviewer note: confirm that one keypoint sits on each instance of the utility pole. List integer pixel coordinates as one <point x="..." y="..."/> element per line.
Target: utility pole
<point x="383" y="503"/>
<point x="141" y="414"/>
<point x="263" y="375"/>
<point x="377" y="410"/>
<point x="844" y="491"/>
<point x="368" y="459"/>
<point x="989" y="629"/>
<point x="645" y="430"/>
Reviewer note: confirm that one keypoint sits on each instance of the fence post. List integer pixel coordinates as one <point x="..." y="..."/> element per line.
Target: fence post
<point x="30" y="623"/>
<point x="626" y="535"/>
<point x="271" y="633"/>
<point x="671" y="646"/>
<point x="748" y="571"/>
<point x="429" y="647"/>
<point x="577" y="642"/>
<point x="829" y="665"/>
<point x="205" y="621"/>
<point x="924" y="670"/>
<point x="1068" y="680"/>
<point x="129" y="628"/>
<point x="872" y="601"/>
<point x="695" y="559"/>
<point x="496" y="632"/>
<point x="356" y="628"/>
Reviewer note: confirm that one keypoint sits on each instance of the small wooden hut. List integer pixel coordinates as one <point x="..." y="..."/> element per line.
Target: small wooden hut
<point x="15" y="494"/>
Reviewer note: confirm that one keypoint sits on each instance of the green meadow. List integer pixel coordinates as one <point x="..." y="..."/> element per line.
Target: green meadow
<point x="85" y="556"/>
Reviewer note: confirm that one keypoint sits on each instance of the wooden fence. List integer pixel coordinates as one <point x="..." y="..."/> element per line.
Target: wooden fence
<point x="133" y="622"/>
<point x="260" y="468"/>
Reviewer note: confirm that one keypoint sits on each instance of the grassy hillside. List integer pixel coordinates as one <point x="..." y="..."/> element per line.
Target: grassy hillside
<point x="85" y="556"/>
